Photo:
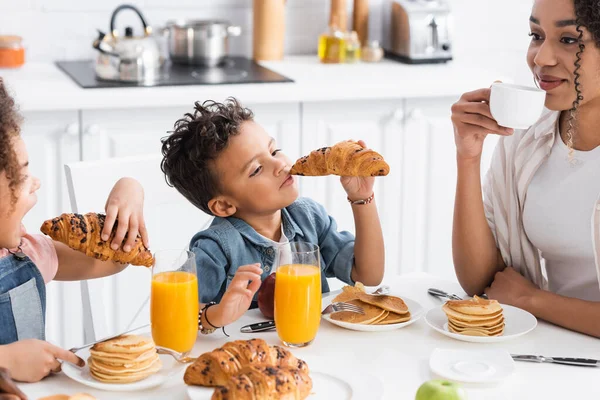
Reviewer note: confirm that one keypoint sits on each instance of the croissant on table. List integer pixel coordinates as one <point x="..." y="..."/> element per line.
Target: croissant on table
<point x="82" y="233"/>
<point x="344" y="159"/>
<point x="262" y="382"/>
<point x="214" y="368"/>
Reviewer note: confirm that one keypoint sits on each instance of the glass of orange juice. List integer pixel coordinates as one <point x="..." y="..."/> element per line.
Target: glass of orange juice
<point x="298" y="293"/>
<point x="174" y="300"/>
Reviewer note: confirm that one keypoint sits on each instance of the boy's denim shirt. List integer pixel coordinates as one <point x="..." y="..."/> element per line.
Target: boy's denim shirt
<point x="230" y="243"/>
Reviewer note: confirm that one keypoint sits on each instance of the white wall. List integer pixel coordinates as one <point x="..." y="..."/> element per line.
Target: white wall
<point x="65" y="29"/>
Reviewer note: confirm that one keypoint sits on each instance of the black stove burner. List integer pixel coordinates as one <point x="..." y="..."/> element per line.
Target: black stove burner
<point x="234" y="70"/>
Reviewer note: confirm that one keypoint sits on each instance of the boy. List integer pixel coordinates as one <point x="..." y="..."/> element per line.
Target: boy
<point x="225" y="163"/>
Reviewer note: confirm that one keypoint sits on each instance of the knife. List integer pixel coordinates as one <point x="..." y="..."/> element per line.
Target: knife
<point x="76" y="349"/>
<point x="583" y="362"/>
<point x="258" y="327"/>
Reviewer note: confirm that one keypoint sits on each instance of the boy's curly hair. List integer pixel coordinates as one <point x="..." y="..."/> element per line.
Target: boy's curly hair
<point x="587" y="14"/>
<point x="195" y="143"/>
<point x="10" y="122"/>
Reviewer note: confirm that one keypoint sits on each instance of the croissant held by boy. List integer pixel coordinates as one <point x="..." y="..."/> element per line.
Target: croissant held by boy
<point x="82" y="233"/>
<point x="347" y="158"/>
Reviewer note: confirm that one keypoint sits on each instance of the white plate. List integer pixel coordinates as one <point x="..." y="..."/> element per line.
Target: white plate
<point x="481" y="366"/>
<point x="415" y="309"/>
<point x="82" y="375"/>
<point x="338" y="385"/>
<point x="517" y="322"/>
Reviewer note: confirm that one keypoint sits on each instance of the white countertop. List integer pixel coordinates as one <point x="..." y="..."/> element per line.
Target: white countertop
<point x="44" y="87"/>
<point x="399" y="359"/>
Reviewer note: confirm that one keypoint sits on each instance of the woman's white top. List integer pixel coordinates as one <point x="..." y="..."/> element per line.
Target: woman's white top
<point x="557" y="217"/>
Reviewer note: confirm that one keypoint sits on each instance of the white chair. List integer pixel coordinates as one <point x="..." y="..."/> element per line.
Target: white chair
<point x="108" y="304"/>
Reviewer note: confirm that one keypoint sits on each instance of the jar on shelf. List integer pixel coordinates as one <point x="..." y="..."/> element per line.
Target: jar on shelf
<point x="372" y="52"/>
<point x="12" y="52"/>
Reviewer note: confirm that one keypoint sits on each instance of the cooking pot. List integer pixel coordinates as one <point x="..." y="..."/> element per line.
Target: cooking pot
<point x="199" y="42"/>
<point x="128" y="58"/>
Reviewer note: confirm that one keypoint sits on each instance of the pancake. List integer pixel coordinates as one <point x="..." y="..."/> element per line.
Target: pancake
<point x="478" y="332"/>
<point x="120" y="358"/>
<point x="125" y="359"/>
<point x="125" y="344"/>
<point x="478" y="324"/>
<point x="127" y="378"/>
<point x="121" y="369"/>
<point x="473" y="328"/>
<point x="474" y="306"/>
<point x="381" y="318"/>
<point x="371" y="314"/>
<point x="349" y="293"/>
<point x="389" y="303"/>
<point x="469" y="317"/>
<point x="394" y="318"/>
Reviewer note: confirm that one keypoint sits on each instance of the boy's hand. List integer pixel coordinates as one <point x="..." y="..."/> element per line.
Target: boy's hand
<point x="31" y="360"/>
<point x="238" y="296"/>
<point x="125" y="203"/>
<point x="358" y="188"/>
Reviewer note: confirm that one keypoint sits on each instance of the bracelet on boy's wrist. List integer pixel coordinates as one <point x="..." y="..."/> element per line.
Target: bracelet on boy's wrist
<point x="204" y="330"/>
<point x="363" y="201"/>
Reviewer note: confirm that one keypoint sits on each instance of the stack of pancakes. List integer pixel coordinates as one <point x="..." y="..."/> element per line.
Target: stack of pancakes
<point x="379" y="309"/>
<point x="475" y="317"/>
<point x="124" y="359"/>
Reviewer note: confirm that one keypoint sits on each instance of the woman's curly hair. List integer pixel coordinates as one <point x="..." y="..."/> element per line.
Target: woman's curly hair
<point x="195" y="143"/>
<point x="10" y="122"/>
<point x="587" y="14"/>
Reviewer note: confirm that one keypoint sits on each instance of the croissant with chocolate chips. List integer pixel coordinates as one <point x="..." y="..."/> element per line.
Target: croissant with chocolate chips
<point x="344" y="159"/>
<point x="262" y="382"/>
<point x="82" y="233"/>
<point x="216" y="367"/>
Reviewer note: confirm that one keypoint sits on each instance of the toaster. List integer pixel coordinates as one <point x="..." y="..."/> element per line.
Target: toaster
<point x="419" y="31"/>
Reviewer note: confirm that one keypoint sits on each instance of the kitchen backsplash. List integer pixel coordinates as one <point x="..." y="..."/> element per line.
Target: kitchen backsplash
<point x="65" y="29"/>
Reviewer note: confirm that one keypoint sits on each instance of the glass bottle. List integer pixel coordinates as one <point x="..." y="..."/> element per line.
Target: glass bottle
<point x="332" y="46"/>
<point x="352" y="47"/>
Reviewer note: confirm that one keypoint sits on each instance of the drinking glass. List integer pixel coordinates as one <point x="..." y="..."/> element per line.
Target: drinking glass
<point x="298" y="293"/>
<point x="174" y="300"/>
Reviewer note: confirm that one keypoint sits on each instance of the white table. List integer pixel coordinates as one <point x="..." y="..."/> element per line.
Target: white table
<point x="400" y="358"/>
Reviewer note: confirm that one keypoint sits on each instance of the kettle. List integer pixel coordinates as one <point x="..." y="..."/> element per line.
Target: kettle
<point x="128" y="58"/>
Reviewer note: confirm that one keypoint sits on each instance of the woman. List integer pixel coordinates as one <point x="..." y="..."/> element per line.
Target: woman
<point x="541" y="207"/>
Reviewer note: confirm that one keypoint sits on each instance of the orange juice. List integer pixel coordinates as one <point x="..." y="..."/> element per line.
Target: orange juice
<point x="174" y="310"/>
<point x="297" y="303"/>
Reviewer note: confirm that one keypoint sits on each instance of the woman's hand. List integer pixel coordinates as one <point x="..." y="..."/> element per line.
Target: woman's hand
<point x="126" y="204"/>
<point x="472" y="122"/>
<point x="238" y="296"/>
<point x="31" y="360"/>
<point x="358" y="187"/>
<point x="510" y="287"/>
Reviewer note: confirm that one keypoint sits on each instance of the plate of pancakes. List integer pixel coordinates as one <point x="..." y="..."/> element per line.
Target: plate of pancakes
<point x="382" y="312"/>
<point x="124" y="363"/>
<point x="480" y="320"/>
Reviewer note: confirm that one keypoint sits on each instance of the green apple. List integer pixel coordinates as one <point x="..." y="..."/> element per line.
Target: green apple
<point x="439" y="389"/>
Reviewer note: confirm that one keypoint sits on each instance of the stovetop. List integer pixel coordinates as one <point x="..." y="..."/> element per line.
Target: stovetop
<point x="235" y="70"/>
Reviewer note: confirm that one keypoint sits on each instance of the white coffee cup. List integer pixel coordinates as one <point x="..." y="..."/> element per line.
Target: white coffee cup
<point x="515" y="106"/>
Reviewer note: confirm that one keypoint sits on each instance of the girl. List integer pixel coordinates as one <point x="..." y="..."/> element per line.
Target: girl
<point x="28" y="262"/>
<point x="542" y="206"/>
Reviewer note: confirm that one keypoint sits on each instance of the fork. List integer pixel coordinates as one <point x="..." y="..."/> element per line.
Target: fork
<point x="179" y="357"/>
<point x="382" y="290"/>
<point x="339" y="306"/>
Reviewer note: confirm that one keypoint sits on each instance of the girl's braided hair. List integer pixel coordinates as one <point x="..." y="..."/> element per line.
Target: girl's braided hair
<point x="587" y="14"/>
<point x="10" y="122"/>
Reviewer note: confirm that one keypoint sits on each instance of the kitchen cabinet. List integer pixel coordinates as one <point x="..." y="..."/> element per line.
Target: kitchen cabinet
<point x="429" y="186"/>
<point x="52" y="139"/>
